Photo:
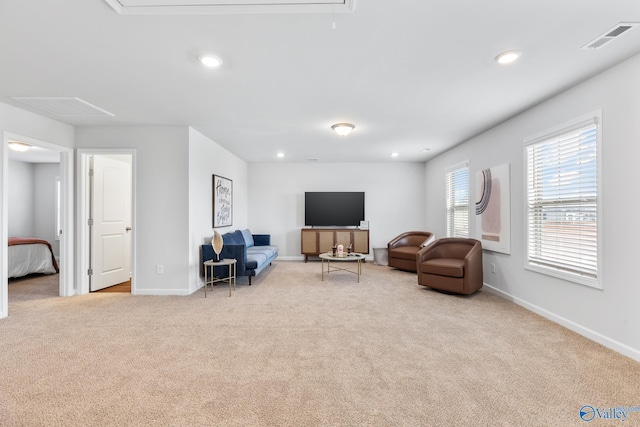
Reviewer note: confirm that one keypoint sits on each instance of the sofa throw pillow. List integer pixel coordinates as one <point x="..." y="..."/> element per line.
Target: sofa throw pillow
<point x="232" y="238"/>
<point x="248" y="238"/>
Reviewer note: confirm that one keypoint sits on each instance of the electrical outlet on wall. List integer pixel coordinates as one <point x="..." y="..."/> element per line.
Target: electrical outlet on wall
<point x="493" y="268"/>
<point x="160" y="269"/>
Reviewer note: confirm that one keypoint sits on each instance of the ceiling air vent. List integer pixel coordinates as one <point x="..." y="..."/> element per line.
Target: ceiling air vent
<point x="610" y="35"/>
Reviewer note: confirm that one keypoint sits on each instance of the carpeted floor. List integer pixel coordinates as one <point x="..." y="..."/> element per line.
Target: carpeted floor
<point x="291" y="350"/>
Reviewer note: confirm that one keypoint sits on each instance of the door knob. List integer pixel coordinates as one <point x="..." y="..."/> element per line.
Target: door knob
<point x="128" y="229"/>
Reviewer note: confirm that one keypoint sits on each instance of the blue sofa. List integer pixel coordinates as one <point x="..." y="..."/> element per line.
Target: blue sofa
<point x="253" y="253"/>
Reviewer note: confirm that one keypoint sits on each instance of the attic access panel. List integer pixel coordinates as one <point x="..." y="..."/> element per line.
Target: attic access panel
<point x="65" y="106"/>
<point x="210" y="7"/>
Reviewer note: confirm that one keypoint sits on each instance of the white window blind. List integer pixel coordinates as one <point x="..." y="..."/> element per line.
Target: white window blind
<point x="457" y="183"/>
<point x="562" y="202"/>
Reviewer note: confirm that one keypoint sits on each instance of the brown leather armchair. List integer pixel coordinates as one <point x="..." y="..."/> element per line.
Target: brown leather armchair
<point x="402" y="250"/>
<point x="451" y="265"/>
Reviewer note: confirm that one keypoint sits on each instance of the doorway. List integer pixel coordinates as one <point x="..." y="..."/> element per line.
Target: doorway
<point x="106" y="232"/>
<point x="64" y="223"/>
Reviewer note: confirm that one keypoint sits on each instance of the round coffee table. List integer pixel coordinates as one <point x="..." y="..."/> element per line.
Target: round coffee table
<point x="352" y="257"/>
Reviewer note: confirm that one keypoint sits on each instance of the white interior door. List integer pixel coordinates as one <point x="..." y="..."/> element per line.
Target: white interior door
<point x="111" y="215"/>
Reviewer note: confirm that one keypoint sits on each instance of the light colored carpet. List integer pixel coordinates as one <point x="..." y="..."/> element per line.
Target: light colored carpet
<point x="291" y="350"/>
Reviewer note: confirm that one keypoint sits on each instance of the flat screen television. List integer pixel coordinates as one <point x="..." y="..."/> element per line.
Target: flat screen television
<point x="333" y="209"/>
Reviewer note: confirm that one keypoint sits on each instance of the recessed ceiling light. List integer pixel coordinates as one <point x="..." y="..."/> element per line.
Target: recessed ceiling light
<point x="395" y="154"/>
<point x="507" y="57"/>
<point x="280" y="155"/>
<point x="343" y="129"/>
<point x="211" y="61"/>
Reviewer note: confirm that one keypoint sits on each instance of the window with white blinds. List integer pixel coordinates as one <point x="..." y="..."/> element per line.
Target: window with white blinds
<point x="562" y="203"/>
<point x="457" y="182"/>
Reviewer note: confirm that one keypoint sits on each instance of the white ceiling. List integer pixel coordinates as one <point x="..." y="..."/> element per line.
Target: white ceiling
<point x="410" y="74"/>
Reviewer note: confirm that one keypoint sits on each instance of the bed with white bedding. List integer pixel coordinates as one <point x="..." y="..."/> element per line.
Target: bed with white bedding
<point x="29" y="256"/>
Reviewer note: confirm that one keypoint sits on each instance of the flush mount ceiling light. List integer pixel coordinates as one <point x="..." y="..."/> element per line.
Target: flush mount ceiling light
<point x="210" y="61"/>
<point x="19" y="146"/>
<point x="343" y="129"/>
<point x="507" y="57"/>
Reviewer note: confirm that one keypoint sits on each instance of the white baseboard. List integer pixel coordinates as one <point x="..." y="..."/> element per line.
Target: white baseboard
<point x="162" y="292"/>
<point x="573" y="326"/>
<point x="290" y="258"/>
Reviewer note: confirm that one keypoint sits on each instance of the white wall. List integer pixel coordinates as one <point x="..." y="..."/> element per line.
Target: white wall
<point x="394" y="198"/>
<point x="609" y="316"/>
<point x="32" y="201"/>
<point x="16" y="121"/>
<point x="207" y="158"/>
<point x="21" y="199"/>
<point x="161" y="202"/>
<point x="44" y="194"/>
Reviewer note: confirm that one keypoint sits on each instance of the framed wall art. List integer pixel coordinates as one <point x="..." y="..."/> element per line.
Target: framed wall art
<point x="222" y="201"/>
<point x="493" y="208"/>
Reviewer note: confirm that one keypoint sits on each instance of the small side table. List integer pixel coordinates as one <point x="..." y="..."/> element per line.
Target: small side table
<point x="231" y="278"/>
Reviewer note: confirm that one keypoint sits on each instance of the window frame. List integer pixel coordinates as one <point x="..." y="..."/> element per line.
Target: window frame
<point x="451" y="220"/>
<point x="594" y="118"/>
